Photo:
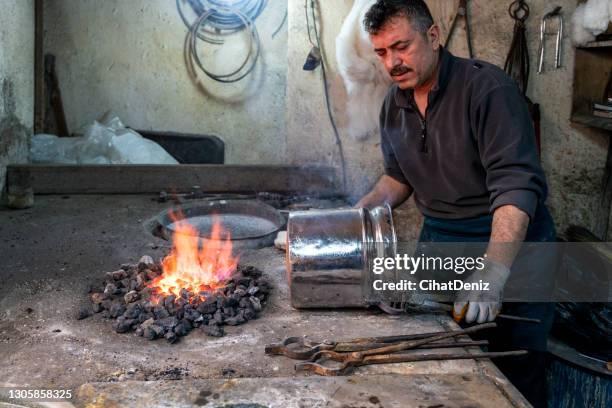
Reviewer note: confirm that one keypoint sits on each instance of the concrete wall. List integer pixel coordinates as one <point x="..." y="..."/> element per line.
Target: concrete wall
<point x="573" y="156"/>
<point x="16" y="81"/>
<point x="127" y="56"/>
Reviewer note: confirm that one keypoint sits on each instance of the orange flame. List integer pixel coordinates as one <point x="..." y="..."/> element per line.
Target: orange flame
<point x="196" y="267"/>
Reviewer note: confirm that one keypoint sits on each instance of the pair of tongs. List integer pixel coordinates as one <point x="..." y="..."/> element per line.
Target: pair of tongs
<point x="555" y="14"/>
<point x="379" y="350"/>
<point x="299" y="348"/>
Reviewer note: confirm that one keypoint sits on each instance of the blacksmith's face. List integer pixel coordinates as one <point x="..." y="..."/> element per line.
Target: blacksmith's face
<point x="409" y="57"/>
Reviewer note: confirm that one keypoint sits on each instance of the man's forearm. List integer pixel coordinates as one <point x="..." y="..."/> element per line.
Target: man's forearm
<point x="507" y="234"/>
<point x="386" y="191"/>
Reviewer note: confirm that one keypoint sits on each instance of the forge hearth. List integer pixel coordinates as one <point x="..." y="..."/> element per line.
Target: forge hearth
<point x="198" y="284"/>
<point x="128" y="298"/>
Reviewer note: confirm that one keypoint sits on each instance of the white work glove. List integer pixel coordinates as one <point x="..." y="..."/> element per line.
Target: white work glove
<point x="482" y="306"/>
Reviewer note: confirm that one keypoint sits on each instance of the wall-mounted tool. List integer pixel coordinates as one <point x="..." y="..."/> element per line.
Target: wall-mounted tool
<point x="517" y="61"/>
<point x="461" y="12"/>
<point x="556" y="15"/>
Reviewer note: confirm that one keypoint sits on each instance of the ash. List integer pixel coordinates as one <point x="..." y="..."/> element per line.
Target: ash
<point x="127" y="298"/>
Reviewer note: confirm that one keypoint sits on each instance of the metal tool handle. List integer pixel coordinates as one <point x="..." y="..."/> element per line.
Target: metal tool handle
<point x="405" y="345"/>
<point x="351" y="347"/>
<point x="410" y="357"/>
<point x="348" y="366"/>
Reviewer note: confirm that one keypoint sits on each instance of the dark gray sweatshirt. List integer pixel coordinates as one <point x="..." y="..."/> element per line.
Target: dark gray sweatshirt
<point x="473" y="151"/>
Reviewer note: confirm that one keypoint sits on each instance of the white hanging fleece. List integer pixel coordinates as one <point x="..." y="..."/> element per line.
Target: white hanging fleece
<point x="364" y="77"/>
<point x="590" y="19"/>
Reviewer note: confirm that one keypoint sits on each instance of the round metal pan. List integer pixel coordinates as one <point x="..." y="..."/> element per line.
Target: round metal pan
<point x="251" y="223"/>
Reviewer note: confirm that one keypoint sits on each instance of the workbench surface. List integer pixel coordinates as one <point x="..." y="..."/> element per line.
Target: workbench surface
<point x="53" y="251"/>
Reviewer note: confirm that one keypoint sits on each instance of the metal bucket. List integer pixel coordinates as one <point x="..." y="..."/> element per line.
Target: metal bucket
<point x="330" y="254"/>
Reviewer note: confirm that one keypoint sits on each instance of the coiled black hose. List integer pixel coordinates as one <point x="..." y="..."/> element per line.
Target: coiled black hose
<point x="215" y="19"/>
<point x="225" y="19"/>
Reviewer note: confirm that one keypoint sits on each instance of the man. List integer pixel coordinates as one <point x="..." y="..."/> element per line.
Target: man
<point x="457" y="134"/>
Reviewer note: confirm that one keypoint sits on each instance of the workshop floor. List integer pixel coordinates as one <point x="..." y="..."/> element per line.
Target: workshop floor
<point x="53" y="251"/>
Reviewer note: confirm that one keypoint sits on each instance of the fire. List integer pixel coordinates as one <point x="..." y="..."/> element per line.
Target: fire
<point x="196" y="264"/>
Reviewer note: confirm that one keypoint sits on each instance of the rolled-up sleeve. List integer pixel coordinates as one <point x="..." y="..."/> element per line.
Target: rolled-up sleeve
<point x="507" y="149"/>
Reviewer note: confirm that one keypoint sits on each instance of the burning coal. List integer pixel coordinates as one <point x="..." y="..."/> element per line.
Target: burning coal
<point x="199" y="284"/>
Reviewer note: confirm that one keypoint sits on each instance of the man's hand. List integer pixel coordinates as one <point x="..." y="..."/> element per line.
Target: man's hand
<point x="482" y="306"/>
<point x="507" y="234"/>
<point x="386" y="191"/>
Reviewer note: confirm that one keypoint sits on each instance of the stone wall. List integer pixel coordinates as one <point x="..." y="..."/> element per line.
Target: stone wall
<point x="16" y="81"/>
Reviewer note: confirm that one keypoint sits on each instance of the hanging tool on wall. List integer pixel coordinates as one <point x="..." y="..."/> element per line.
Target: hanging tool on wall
<point x="556" y="15"/>
<point x="462" y="12"/>
<point x="517" y="61"/>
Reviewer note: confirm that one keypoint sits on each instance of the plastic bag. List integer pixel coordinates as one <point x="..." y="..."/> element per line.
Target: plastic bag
<point x="105" y="142"/>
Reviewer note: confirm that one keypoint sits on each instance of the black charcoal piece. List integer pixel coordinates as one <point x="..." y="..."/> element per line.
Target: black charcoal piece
<point x="150" y="275"/>
<point x="133" y="311"/>
<point x="131" y="296"/>
<point x="209" y="306"/>
<point x="96" y="307"/>
<point x="264" y="286"/>
<point x="160" y="312"/>
<point x="213" y="330"/>
<point x="133" y="284"/>
<point x="185" y="294"/>
<point x="84" y="313"/>
<point x="182" y="328"/>
<point x="239" y="292"/>
<point x="171" y="337"/>
<point x="119" y="274"/>
<point x="180" y="302"/>
<point x="229" y="311"/>
<point x="249" y="314"/>
<point x="191" y="314"/>
<point x="244" y="303"/>
<point x="116" y="309"/>
<point x="218" y="317"/>
<point x="253" y="290"/>
<point x="122" y="325"/>
<point x="230" y="301"/>
<point x="236" y="320"/>
<point x="144" y="316"/>
<point x="256" y="303"/>
<point x="167" y="323"/>
<point x="169" y="301"/>
<point x="220" y="300"/>
<point x="246" y="281"/>
<point x="110" y="289"/>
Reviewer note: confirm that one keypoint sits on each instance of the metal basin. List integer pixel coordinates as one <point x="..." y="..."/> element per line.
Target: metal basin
<point x="251" y="223"/>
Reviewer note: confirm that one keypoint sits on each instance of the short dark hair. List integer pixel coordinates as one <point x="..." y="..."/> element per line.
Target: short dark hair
<point x="416" y="11"/>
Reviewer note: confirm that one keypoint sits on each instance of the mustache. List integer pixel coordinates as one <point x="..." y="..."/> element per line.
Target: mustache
<point x="399" y="70"/>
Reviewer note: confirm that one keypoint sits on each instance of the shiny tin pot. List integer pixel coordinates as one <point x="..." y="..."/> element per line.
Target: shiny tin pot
<point x="330" y="254"/>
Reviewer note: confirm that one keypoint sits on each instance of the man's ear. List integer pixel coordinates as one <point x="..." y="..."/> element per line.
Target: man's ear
<point x="433" y="35"/>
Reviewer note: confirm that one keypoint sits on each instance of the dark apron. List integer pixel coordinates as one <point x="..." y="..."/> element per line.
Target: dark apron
<point x="509" y="334"/>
